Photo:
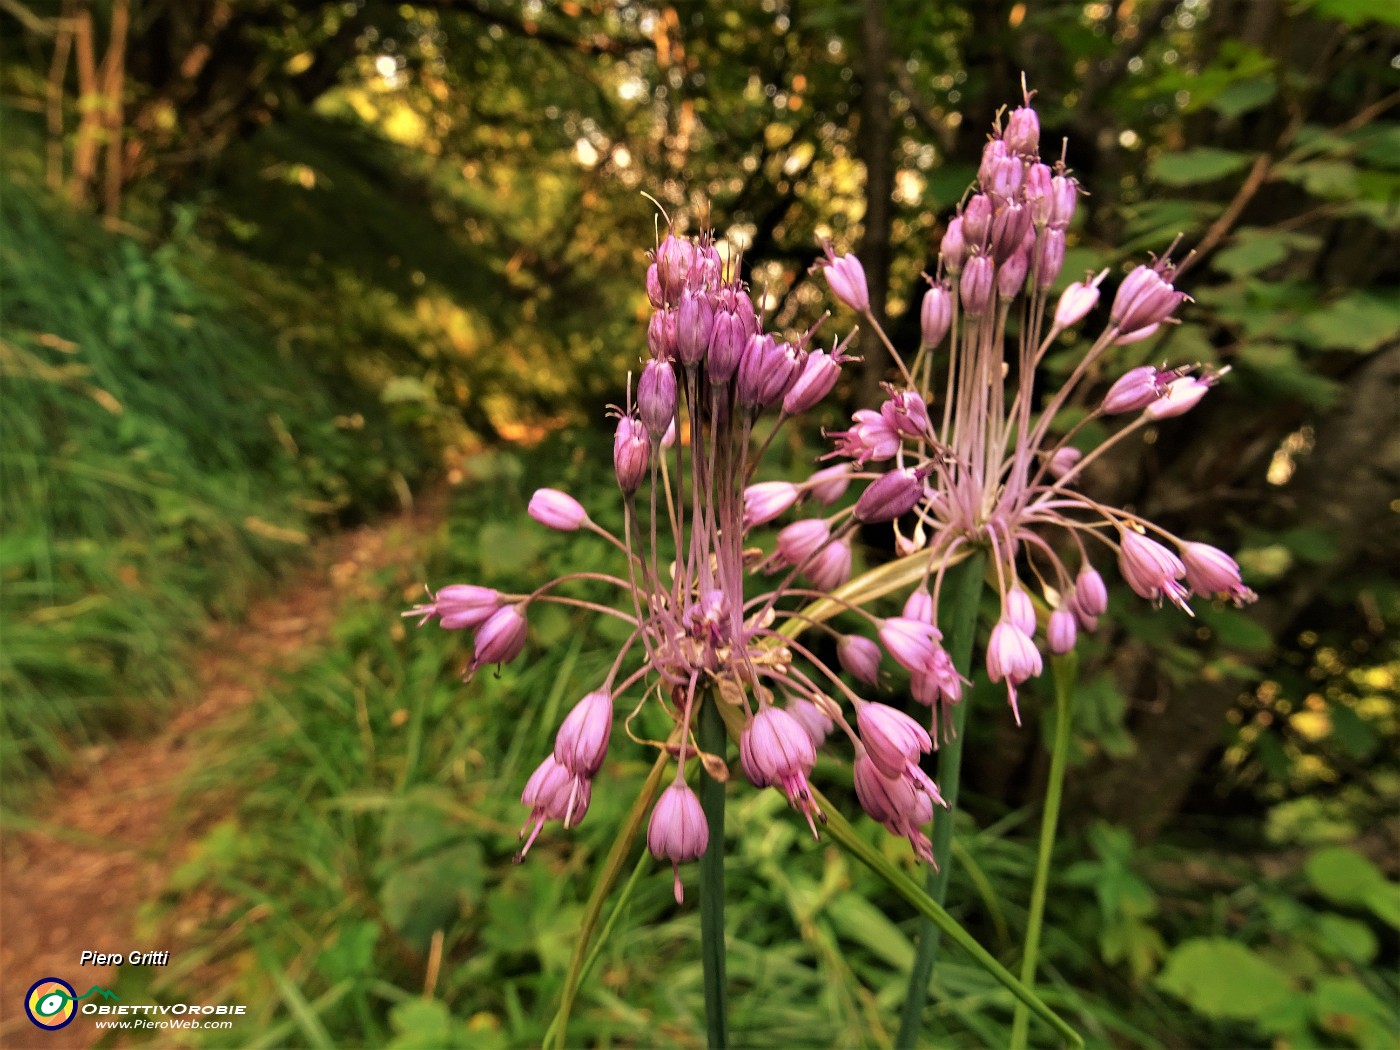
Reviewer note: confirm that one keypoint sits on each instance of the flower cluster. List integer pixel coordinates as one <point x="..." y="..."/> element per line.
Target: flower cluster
<point x="997" y="474"/>
<point x="704" y="609"/>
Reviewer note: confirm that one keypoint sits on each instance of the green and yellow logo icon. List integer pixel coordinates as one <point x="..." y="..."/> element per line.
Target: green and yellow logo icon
<point x="52" y="1003"/>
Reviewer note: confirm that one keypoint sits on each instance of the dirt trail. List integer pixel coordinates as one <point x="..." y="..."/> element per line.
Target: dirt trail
<point x="103" y="842"/>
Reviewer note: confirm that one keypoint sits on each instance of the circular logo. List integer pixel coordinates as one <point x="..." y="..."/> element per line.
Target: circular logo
<point x="51" y="1004"/>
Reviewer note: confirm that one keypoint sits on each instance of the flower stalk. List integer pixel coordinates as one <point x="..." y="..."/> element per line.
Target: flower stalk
<point x="1065" y="670"/>
<point x="965" y="583"/>
<point x="714" y="740"/>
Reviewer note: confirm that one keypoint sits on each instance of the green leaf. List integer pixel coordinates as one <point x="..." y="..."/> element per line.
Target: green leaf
<point x="1224" y="980"/>
<point x="1328" y="178"/>
<point x="1342" y="875"/>
<point x="856" y="919"/>
<point x="1235" y="629"/>
<point x="1244" y="96"/>
<point x="1193" y="166"/>
<point x="1315" y="545"/>
<point x="1253" y="249"/>
<point x="1356" y="12"/>
<point x="1380" y="145"/>
<point x="1384" y="902"/>
<point x="1276" y="367"/>
<point x="1346" y="1007"/>
<point x="1359" y="321"/>
<point x="1344" y="938"/>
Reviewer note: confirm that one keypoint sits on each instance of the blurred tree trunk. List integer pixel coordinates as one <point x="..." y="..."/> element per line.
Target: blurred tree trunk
<point x="877" y="154"/>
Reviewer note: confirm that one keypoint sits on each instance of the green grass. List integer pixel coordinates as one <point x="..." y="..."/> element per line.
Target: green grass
<point x="164" y="453"/>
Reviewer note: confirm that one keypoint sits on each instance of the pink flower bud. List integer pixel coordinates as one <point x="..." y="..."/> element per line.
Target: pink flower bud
<point x="1012" y="656"/>
<point x="935" y="315"/>
<point x="727" y="342"/>
<point x="906" y="412"/>
<point x="977" y="221"/>
<point x="810" y="716"/>
<point x="993" y="154"/>
<point x="1011" y="275"/>
<point x="1020" y="610"/>
<point x="695" y="322"/>
<point x="582" y="741"/>
<point x="630" y="453"/>
<point x="1061" y="631"/>
<point x="1049" y="257"/>
<point x="654" y="293"/>
<point x="1064" y="195"/>
<point x="557" y="510"/>
<point x="1039" y="189"/>
<point x="1077" y="300"/>
<point x="553" y="793"/>
<point x="1063" y="461"/>
<point x="1023" y="131"/>
<point x="1144" y="300"/>
<point x="1090" y="592"/>
<point x="819" y="374"/>
<point x="674" y="259"/>
<point x="1180" y="396"/>
<point x="459" y="605"/>
<point x="1009" y="228"/>
<point x="901" y="804"/>
<point x="1151" y="570"/>
<point x="952" y="250"/>
<point x="893" y="739"/>
<point x="657" y="397"/>
<point x="1135" y="389"/>
<point x="872" y="437"/>
<point x="847" y="279"/>
<point x="1210" y="571"/>
<point x="767" y="500"/>
<point x="1007" y="177"/>
<point x="828" y="485"/>
<point x="890" y="495"/>
<point x="499" y="640"/>
<point x="677" y="831"/>
<point x="919" y="606"/>
<point x="766" y="372"/>
<point x="798" y="541"/>
<point x="860" y="658"/>
<point x="776" y="751"/>
<point x="912" y="642"/>
<point x="661" y="335"/>
<point x="830" y="567"/>
<point x="976" y="284"/>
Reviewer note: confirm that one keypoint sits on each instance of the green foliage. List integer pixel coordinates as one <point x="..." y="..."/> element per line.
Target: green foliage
<point x="162" y="459"/>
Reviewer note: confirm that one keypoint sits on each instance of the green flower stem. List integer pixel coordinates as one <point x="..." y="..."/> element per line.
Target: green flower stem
<point x="963" y="584"/>
<point x="839" y="828"/>
<point x="714" y="739"/>
<point x="1065" y="671"/>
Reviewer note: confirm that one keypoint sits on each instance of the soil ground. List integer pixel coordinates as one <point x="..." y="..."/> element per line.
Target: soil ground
<point x="76" y="869"/>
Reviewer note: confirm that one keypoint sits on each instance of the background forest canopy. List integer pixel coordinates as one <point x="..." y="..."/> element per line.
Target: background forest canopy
<point x="423" y="224"/>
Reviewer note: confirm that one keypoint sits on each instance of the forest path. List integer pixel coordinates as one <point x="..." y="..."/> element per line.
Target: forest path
<point x="77" y="869"/>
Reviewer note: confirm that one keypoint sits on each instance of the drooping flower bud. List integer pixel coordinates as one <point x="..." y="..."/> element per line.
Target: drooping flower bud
<point x="1135" y="389"/>
<point x="1013" y="657"/>
<point x="819" y="374"/>
<point x="860" y="658"/>
<point x="499" y="640"/>
<point x="631" y="453"/>
<point x="776" y="751"/>
<point x="800" y="540"/>
<point x="1019" y="609"/>
<point x="890" y="495"/>
<point x="553" y="793"/>
<point x="1063" y="461"/>
<point x="1090" y="592"/>
<point x="831" y="566"/>
<point x="767" y="500"/>
<point x="829" y="484"/>
<point x="557" y="510"/>
<point x="1210" y="571"/>
<point x="1144" y="300"/>
<point x="976" y="284"/>
<point x="582" y="741"/>
<point x="912" y="642"/>
<point x="459" y="605"/>
<point x="906" y="412"/>
<point x="919" y="605"/>
<point x="895" y="803"/>
<point x="935" y="315"/>
<point x="677" y="831"/>
<point x="1077" y="300"/>
<point x="657" y="397"/>
<point x="817" y="724"/>
<point x="1152" y="571"/>
<point x="847" y="278"/>
<point x="893" y="739"/>
<point x="1061" y="631"/>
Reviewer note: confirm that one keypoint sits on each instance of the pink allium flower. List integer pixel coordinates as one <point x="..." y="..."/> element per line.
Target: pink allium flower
<point x="895" y="803"/>
<point x="912" y="643"/>
<point x="656" y="397"/>
<point x="859" y="657"/>
<point x="459" y="605"/>
<point x="830" y="567"/>
<point x="1013" y="657"/>
<point x="890" y="495"/>
<point x="919" y="605"/>
<point x="768" y="500"/>
<point x="1150" y="569"/>
<point x="499" y="640"/>
<point x="1061" y="632"/>
<point x="813" y="721"/>
<point x="1210" y="571"/>
<point x="582" y="741"/>
<point x="802" y="539"/>
<point x="630" y="453"/>
<point x="847" y="278"/>
<point x="935" y="315"/>
<point x="1077" y="300"/>
<point x="776" y="751"/>
<point x="893" y="739"/>
<point x="829" y="484"/>
<point x="677" y="831"/>
<point x="557" y="510"/>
